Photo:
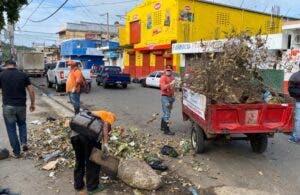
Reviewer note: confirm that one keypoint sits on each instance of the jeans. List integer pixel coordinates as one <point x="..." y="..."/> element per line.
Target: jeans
<point x="83" y="148"/>
<point x="296" y="131"/>
<point x="75" y="101"/>
<point x="15" y="115"/>
<point x="167" y="104"/>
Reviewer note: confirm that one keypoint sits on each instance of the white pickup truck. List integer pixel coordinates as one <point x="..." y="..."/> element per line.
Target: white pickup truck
<point x="59" y="74"/>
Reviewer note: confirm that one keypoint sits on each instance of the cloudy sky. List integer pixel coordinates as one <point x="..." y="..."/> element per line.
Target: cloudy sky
<point x="93" y="10"/>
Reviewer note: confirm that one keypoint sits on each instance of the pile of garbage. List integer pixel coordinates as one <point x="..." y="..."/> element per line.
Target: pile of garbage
<point x="50" y="144"/>
<point x="232" y="75"/>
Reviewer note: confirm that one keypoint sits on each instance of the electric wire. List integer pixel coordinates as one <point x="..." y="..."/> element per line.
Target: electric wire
<point x="42" y="20"/>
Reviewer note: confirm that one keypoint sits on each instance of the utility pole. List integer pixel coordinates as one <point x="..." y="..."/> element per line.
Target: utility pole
<point x="107" y="20"/>
<point x="11" y="34"/>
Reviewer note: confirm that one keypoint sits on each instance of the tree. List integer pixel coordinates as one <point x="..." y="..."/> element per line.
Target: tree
<point x="12" y="9"/>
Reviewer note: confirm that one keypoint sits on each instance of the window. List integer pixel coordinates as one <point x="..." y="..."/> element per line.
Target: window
<point x="152" y="74"/>
<point x="62" y="65"/>
<point x="159" y="74"/>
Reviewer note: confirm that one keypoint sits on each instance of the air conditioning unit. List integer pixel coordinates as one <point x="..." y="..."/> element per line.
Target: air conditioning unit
<point x="297" y="39"/>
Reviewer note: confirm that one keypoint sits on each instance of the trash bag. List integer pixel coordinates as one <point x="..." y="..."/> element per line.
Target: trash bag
<point x="4" y="153"/>
<point x="158" y="166"/>
<point x="169" y="151"/>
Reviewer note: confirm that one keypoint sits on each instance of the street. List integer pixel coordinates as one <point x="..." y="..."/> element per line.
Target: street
<point x="229" y="164"/>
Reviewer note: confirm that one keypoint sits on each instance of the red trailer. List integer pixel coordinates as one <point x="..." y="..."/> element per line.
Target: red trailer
<point x="256" y="122"/>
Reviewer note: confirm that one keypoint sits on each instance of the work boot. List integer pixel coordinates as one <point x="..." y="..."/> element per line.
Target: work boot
<point x="167" y="129"/>
<point x="162" y="125"/>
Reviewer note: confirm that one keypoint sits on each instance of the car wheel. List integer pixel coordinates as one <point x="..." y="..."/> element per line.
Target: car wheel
<point x="259" y="143"/>
<point x="49" y="84"/>
<point x="58" y="87"/>
<point x="197" y="138"/>
<point x="105" y="85"/>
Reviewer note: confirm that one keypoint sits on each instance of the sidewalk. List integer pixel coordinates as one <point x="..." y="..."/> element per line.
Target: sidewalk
<point x="22" y="175"/>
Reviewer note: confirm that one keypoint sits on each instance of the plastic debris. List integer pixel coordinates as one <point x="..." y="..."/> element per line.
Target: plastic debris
<point x="169" y="151"/>
<point x="52" y="155"/>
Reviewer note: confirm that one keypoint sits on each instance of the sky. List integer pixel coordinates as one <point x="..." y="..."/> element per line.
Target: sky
<point x="28" y="32"/>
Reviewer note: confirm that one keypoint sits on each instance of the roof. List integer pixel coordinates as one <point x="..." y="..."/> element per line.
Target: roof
<point x="88" y="27"/>
<point x="291" y="25"/>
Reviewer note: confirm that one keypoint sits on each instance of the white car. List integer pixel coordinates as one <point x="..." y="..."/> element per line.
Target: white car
<point x="153" y="79"/>
<point x="58" y="75"/>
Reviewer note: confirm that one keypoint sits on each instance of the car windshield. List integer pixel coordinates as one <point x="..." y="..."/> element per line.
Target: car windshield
<point x="114" y="70"/>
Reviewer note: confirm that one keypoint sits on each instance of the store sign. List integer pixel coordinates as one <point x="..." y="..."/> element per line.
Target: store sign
<point x="195" y="102"/>
<point x="90" y="36"/>
<point x="198" y="47"/>
<point x="157" y="6"/>
<point x="135" y="17"/>
<point x="187" y="8"/>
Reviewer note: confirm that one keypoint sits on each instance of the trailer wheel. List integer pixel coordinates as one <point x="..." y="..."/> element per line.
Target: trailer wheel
<point x="197" y="138"/>
<point x="259" y="142"/>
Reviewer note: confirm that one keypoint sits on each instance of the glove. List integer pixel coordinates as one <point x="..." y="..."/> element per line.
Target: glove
<point x="105" y="150"/>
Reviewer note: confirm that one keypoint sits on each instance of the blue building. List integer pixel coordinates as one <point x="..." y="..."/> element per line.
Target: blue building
<point x="111" y="51"/>
<point x="87" y="51"/>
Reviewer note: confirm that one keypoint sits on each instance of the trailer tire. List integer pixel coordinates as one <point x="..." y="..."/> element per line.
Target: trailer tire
<point x="197" y="138"/>
<point x="259" y="143"/>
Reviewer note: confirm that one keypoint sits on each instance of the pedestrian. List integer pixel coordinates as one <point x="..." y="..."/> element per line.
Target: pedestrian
<point x="294" y="91"/>
<point x="73" y="85"/>
<point x="14" y="84"/>
<point x="83" y="147"/>
<point x="167" y="83"/>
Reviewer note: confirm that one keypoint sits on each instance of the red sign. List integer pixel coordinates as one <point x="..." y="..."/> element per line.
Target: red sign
<point x="90" y="36"/>
<point x="188" y="8"/>
<point x="157" y="6"/>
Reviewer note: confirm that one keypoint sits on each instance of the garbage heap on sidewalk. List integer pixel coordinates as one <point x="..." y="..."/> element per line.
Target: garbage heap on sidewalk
<point x="234" y="74"/>
<point x="51" y="149"/>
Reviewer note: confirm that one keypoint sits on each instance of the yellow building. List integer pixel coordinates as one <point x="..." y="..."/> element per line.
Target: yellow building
<point x="153" y="26"/>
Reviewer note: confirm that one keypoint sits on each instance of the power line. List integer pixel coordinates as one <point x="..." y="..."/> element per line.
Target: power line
<point x="41" y="2"/>
<point x="42" y="20"/>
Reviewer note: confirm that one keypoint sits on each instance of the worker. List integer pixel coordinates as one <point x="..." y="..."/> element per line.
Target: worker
<point x="73" y="85"/>
<point x="83" y="147"/>
<point x="14" y="85"/>
<point x="294" y="91"/>
<point x="167" y="83"/>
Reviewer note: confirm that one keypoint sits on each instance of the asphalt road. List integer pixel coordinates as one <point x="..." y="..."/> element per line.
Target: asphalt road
<point x="232" y="164"/>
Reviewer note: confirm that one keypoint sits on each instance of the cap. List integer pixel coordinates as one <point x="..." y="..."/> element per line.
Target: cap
<point x="71" y="62"/>
<point x="106" y="116"/>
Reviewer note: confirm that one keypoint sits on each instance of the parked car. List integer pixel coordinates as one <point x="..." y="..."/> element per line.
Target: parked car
<point x="49" y="66"/>
<point x="112" y="76"/>
<point x="58" y="75"/>
<point x="153" y="79"/>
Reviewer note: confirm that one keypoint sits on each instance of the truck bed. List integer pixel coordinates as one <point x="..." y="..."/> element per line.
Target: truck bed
<point x="244" y="118"/>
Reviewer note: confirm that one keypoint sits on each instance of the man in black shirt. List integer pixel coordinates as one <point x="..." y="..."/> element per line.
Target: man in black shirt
<point x="14" y="85"/>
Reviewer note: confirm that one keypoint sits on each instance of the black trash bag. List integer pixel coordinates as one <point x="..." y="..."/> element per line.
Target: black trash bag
<point x="4" y="153"/>
<point x="169" y="151"/>
<point x="158" y="166"/>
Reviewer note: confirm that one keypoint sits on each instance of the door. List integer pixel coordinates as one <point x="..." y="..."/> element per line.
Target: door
<point x="159" y="62"/>
<point x="150" y="79"/>
<point x="146" y="64"/>
<point x="135" y="32"/>
<point x="132" y="65"/>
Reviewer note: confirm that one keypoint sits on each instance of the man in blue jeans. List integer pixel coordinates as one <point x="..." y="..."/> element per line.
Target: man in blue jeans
<point x="14" y="84"/>
<point x="167" y="98"/>
<point x="294" y="91"/>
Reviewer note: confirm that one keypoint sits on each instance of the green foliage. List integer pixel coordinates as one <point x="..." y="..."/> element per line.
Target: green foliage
<point x="11" y="8"/>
